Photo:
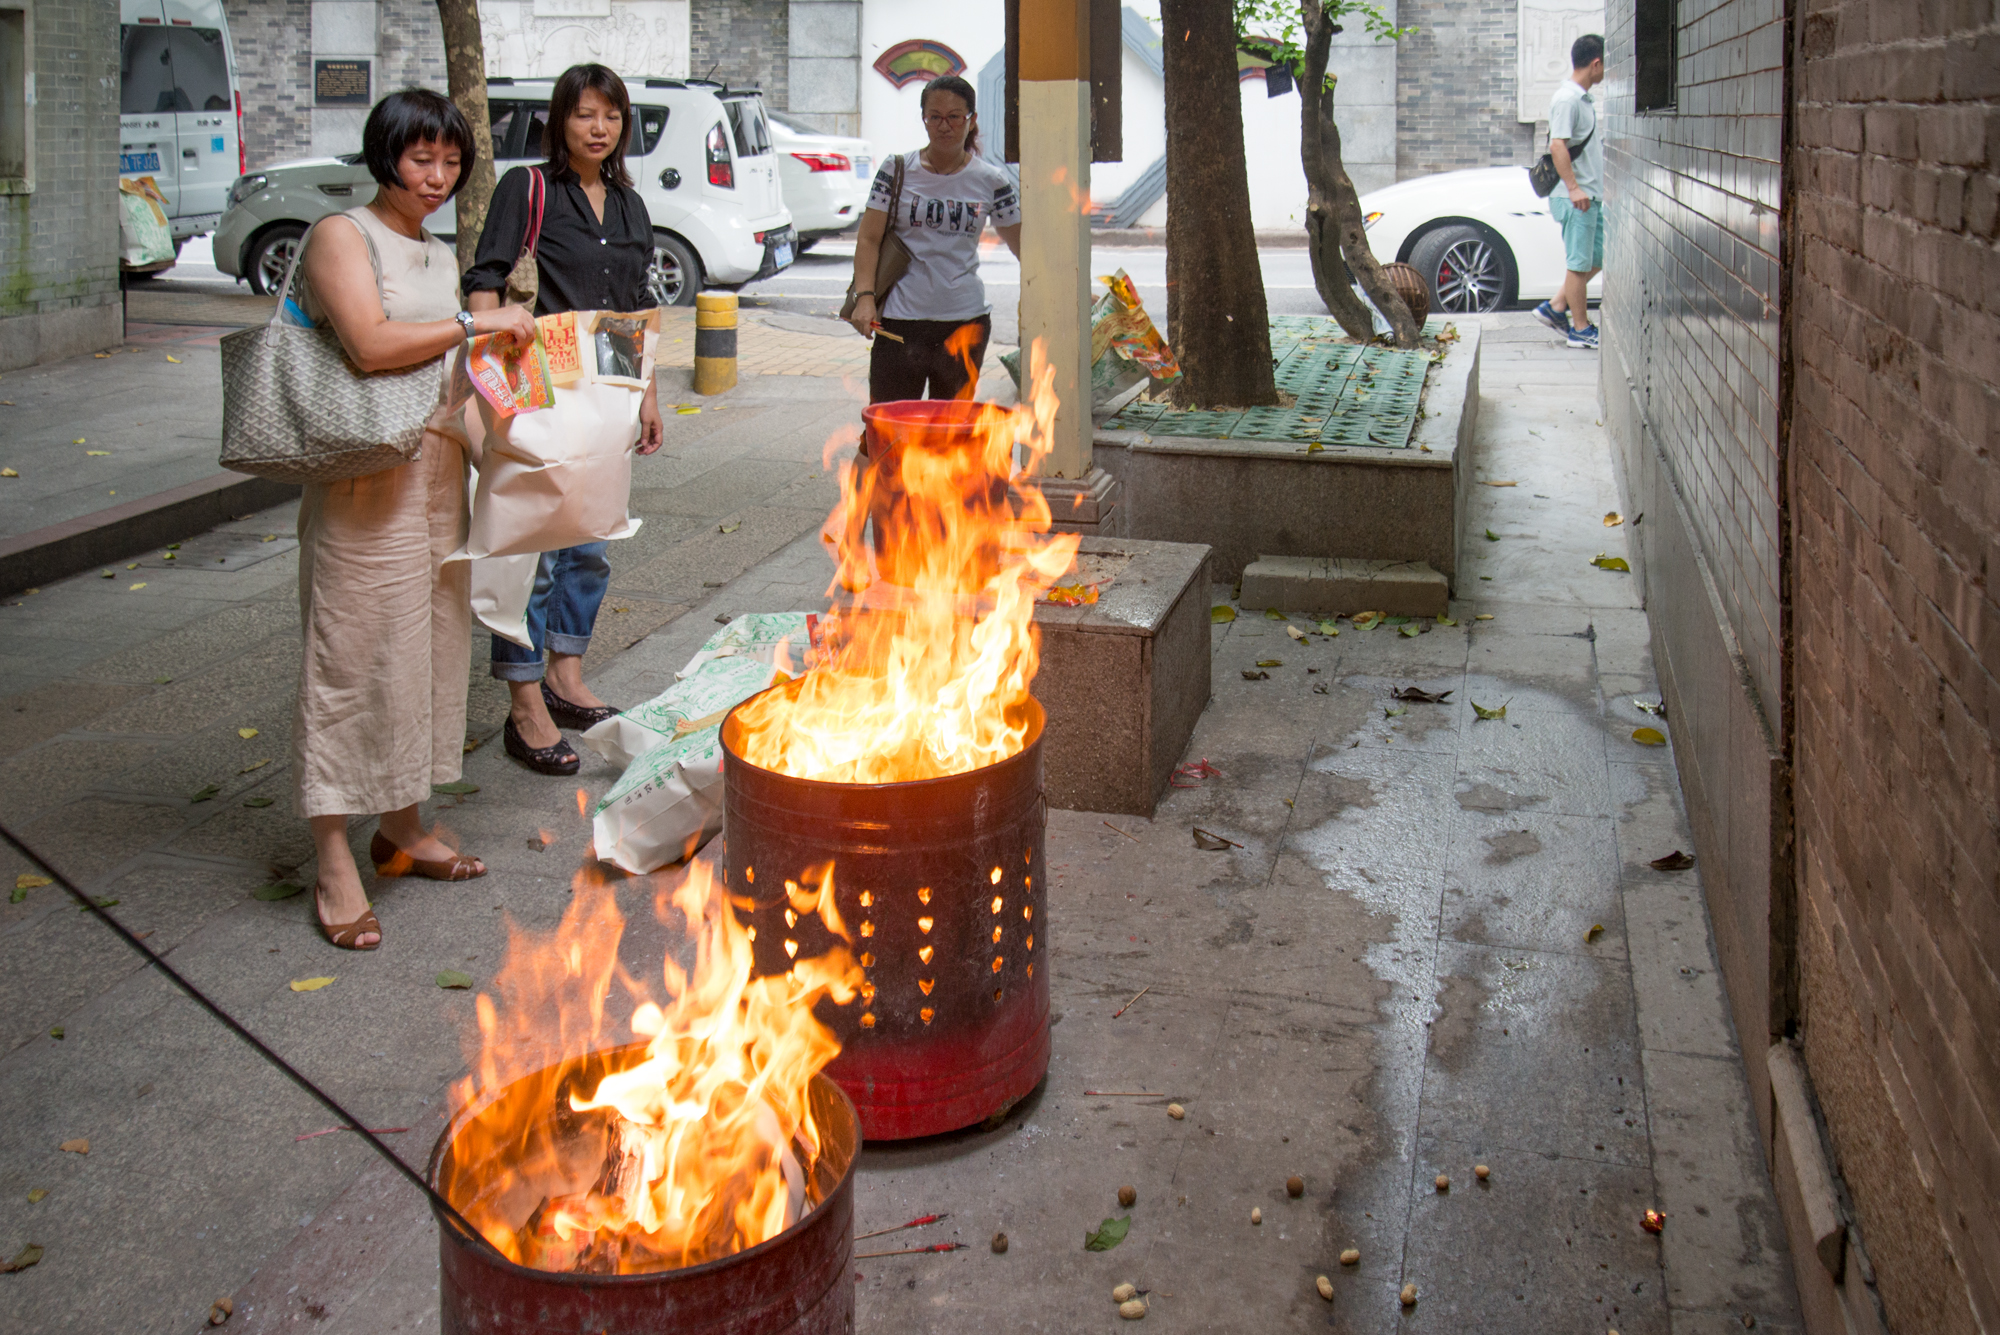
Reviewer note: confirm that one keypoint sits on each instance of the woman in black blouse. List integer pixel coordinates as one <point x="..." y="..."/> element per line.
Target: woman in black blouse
<point x="596" y="243"/>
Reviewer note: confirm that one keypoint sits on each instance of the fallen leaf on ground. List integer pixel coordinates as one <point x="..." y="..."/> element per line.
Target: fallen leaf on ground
<point x="1393" y="711"/>
<point x="1656" y="710"/>
<point x="246" y="733"/>
<point x="1491" y="536"/>
<point x="134" y="588"/>
<point x="1596" y="930"/>
<point x="56" y="1032"/>
<point x="1212" y="843"/>
<point x="205" y="792"/>
<point x="452" y="978"/>
<point x="268" y="537"/>
<point x="1315" y="448"/>
<point x="473" y="744"/>
<point x="1273" y="614"/>
<point x="79" y="440"/>
<point x="37" y="1194"/>
<point x="1649" y="737"/>
<point x="1484" y="616"/>
<point x="456" y="788"/>
<point x="81" y="1145"/>
<point x="1328" y="628"/>
<point x="1413" y="631"/>
<point x="8" y="472"/>
<point x="1447" y="621"/>
<point x="275" y="891"/>
<point x="101" y="903"/>
<point x="1486" y="713"/>
<point x="259" y="803"/>
<point x="1395" y="621"/>
<point x="1484" y="483"/>
<point x="1674" y="861"/>
<point x="175" y="360"/>
<point x="1221" y="613"/>
<point x="686" y="409"/>
<point x="26" y="1257"/>
<point x="730" y="527"/>
<point x="27" y="880"/>
<point x="1604" y="562"/>
<point x="309" y="984"/>
<point x="1270" y="662"/>
<point x="1295" y="632"/>
<point x="1612" y="519"/>
<point x="1416" y="695"/>
<point x="1366" y="620"/>
<point x="1250" y="674"/>
<point x="1108" y="1235"/>
<point x="96" y="454"/>
<point x="254" y="766"/>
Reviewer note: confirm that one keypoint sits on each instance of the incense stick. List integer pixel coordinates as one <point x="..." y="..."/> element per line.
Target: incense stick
<point x="915" y="1251"/>
<point x="1121" y="1094"/>
<point x="893" y="338"/>
<point x="1127" y="833"/>
<point x="1128" y="1005"/>
<point x="918" y="1222"/>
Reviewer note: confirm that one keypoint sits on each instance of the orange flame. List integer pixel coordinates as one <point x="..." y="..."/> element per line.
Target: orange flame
<point x="932" y="643"/>
<point x="697" y="1145"/>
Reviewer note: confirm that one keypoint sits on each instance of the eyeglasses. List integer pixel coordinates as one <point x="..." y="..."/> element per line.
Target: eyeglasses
<point x="953" y="119"/>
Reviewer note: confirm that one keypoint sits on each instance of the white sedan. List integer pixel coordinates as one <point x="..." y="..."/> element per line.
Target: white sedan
<point x="825" y="177"/>
<point x="1482" y="239"/>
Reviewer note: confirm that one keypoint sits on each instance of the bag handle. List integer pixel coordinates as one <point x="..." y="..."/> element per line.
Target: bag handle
<point x="537" y="201"/>
<point x="896" y="191"/>
<point x="274" y="328"/>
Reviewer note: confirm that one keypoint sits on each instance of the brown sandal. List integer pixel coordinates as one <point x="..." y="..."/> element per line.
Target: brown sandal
<point x="393" y="861"/>
<point x="347" y="935"/>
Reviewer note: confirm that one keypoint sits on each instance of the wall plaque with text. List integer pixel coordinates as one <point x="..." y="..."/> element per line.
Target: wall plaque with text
<point x="342" y="83"/>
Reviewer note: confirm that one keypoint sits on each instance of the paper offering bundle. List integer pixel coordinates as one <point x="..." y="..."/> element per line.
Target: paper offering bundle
<point x="512" y="377"/>
<point x="794" y="641"/>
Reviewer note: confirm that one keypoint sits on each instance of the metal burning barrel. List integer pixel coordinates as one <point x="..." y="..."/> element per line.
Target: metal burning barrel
<point x="796" y="1283"/>
<point x="942" y="885"/>
<point x="906" y="535"/>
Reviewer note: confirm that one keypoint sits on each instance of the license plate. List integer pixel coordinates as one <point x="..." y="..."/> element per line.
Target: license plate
<point x="138" y="162"/>
<point x="782" y="254"/>
<point x="862" y="167"/>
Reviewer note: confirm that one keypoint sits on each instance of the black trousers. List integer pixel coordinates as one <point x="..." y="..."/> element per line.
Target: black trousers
<point x="919" y="367"/>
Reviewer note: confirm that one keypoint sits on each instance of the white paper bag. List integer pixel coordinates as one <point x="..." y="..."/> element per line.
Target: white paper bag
<point x="558" y="477"/>
<point x="501" y="587"/>
<point x="666" y="805"/>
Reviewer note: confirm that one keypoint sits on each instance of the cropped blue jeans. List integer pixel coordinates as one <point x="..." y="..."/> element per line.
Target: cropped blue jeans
<point x="569" y="588"/>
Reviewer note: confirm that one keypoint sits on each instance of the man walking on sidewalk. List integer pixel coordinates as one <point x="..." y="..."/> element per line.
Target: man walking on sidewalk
<point x="1578" y="203"/>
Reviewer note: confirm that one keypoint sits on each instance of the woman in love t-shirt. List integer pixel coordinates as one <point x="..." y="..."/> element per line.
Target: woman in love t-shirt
<point x="948" y="196"/>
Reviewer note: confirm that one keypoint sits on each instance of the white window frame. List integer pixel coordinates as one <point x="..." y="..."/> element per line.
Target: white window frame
<point x="19" y="95"/>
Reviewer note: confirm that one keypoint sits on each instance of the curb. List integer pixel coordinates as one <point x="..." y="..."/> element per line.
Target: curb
<point x="45" y="555"/>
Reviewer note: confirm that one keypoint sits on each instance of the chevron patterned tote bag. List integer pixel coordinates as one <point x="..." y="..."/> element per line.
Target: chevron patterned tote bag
<point x="295" y="409"/>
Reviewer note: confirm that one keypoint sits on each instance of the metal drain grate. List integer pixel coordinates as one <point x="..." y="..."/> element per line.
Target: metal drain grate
<point x="1344" y="394"/>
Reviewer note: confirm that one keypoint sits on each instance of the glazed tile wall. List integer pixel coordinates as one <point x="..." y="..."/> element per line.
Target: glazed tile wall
<point x="1691" y="293"/>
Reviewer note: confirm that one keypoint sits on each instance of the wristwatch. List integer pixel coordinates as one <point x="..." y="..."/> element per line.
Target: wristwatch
<point x="464" y="319"/>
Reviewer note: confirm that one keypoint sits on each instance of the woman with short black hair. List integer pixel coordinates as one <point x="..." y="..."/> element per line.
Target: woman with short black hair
<point x="937" y="315"/>
<point x="381" y="707"/>
<point x="595" y="246"/>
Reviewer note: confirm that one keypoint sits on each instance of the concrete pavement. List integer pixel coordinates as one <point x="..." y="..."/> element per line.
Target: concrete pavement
<point x="1395" y="976"/>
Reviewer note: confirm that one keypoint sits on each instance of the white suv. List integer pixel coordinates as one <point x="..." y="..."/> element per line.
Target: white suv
<point x="700" y="156"/>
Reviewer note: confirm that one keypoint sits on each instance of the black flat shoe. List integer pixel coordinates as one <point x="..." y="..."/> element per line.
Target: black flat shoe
<point x="567" y="715"/>
<point x="558" y="759"/>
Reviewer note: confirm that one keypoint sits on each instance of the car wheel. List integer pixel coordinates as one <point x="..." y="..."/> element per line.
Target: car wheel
<point x="271" y="257"/>
<point x="1468" y="272"/>
<point x="674" y="276"/>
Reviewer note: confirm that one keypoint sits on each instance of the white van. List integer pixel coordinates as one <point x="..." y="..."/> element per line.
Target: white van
<point x="699" y="152"/>
<point x="180" y="115"/>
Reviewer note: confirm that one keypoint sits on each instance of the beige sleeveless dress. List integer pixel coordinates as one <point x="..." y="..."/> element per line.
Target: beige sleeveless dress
<point x="381" y="708"/>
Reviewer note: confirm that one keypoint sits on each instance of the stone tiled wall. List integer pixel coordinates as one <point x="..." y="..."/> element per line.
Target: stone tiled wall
<point x="1894" y="327"/>
<point x="59" y="275"/>
<point x="273" y="41"/>
<point x="1690" y="368"/>
<point x="745" y="42"/>
<point x="1455" y="100"/>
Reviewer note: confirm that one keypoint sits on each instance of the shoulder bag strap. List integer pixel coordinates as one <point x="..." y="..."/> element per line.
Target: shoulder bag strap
<point x="276" y="323"/>
<point x="537" y="202"/>
<point x="896" y="191"/>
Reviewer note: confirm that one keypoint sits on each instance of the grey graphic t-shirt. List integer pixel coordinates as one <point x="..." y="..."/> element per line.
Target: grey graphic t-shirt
<point x="940" y="219"/>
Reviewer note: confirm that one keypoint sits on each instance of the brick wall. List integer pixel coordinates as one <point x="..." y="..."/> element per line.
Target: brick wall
<point x="744" y="42"/>
<point x="1895" y="335"/>
<point x="273" y="41"/>
<point x="410" y="46"/>
<point x="59" y="275"/>
<point x="1455" y="98"/>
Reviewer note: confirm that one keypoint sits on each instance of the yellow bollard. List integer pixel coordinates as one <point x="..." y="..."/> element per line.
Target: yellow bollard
<point x="714" y="342"/>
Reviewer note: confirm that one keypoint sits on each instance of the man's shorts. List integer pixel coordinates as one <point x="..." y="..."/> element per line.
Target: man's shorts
<point x="1583" y="231"/>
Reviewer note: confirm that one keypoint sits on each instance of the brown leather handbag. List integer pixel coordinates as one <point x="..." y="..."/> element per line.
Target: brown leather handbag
<point x="524" y="280"/>
<point x="892" y="260"/>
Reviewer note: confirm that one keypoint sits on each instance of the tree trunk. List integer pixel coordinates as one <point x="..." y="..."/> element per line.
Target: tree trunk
<point x="1217" y="322"/>
<point x="465" y="77"/>
<point x="1333" y="209"/>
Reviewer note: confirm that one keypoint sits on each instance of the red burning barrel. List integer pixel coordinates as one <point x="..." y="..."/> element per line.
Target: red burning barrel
<point x="905" y="536"/>
<point x="941" y="883"/>
<point x="796" y="1283"/>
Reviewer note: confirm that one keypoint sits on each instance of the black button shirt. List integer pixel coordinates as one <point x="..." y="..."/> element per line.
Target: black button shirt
<point x="584" y="264"/>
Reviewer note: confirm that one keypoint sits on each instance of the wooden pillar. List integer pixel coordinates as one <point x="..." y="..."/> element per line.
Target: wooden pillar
<point x="1054" y="148"/>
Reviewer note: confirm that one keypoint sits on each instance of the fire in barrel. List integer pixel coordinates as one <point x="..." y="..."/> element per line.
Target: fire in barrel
<point x="911" y="761"/>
